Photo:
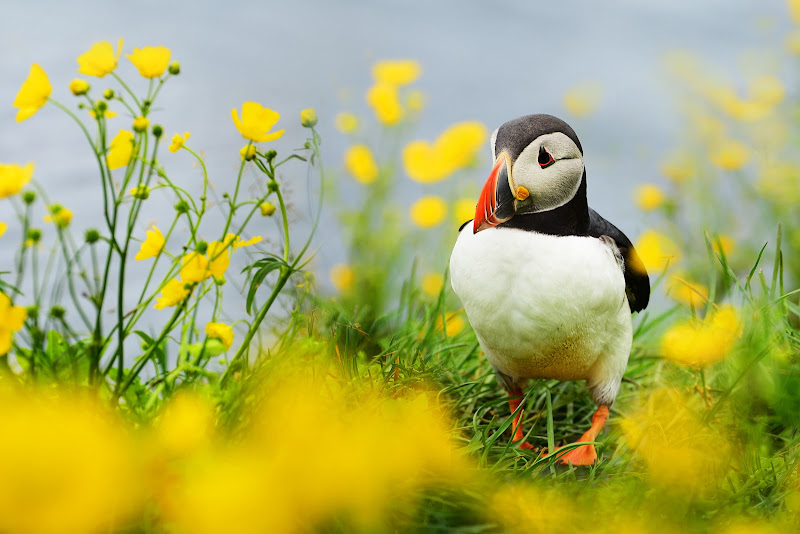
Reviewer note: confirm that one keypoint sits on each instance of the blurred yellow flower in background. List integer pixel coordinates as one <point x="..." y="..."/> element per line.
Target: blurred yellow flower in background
<point x="220" y="331"/>
<point x="793" y="42"/>
<point x="346" y="122"/>
<point x="428" y="212"/>
<point x="779" y="181"/>
<point x="59" y="215"/>
<point x="152" y="245"/>
<point x="701" y="342"/>
<point x="100" y="59"/>
<point x="432" y="284"/>
<point x="68" y="465"/>
<point x="415" y="100"/>
<point x="729" y="154"/>
<point x="657" y="251"/>
<point x="649" y="197"/>
<point x="681" y="452"/>
<point x="583" y="99"/>
<point x="678" y="167"/>
<point x="691" y="294"/>
<point x="173" y="293"/>
<point x="3" y="228"/>
<point x="464" y="210"/>
<point x="452" y="325"/>
<point x="396" y="72"/>
<point x="194" y="268"/>
<point x="178" y="141"/>
<point x="33" y="94"/>
<point x="359" y="162"/>
<point x="794" y="10"/>
<point x="342" y="277"/>
<point x="724" y="244"/>
<point x="454" y="149"/>
<point x="12" y="318"/>
<point x="13" y="178"/>
<point x="383" y="99"/>
<point x="256" y="122"/>
<point x="120" y="150"/>
<point x="78" y="86"/>
<point x="151" y="61"/>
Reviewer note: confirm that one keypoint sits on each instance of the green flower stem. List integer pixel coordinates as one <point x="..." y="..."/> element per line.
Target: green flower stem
<point x="315" y="140"/>
<point x="70" y="282"/>
<point x="26" y="224"/>
<point x="133" y="95"/>
<point x="232" y="211"/>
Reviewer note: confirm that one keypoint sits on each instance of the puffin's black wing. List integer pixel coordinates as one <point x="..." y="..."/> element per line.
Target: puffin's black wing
<point x="637" y="283"/>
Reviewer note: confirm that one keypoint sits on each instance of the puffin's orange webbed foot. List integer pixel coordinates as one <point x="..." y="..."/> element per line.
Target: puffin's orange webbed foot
<point x="516" y="425"/>
<point x="586" y="454"/>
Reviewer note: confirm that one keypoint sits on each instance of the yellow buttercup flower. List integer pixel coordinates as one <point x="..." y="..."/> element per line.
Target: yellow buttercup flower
<point x="455" y="148"/>
<point x="656" y="251"/>
<point x="248" y="152"/>
<point x="220" y="331"/>
<point x="178" y="141"/>
<point x="13" y="178"/>
<point x="432" y="284"/>
<point x="342" y="277"/>
<point x="59" y="215"/>
<point x="396" y="72"/>
<point x="697" y="343"/>
<point x="151" y="61"/>
<point x="428" y="211"/>
<point x="359" y="162"/>
<point x="120" y="150"/>
<point x="582" y="99"/>
<point x="688" y="293"/>
<point x="453" y="323"/>
<point x="33" y="94"/>
<point x="11" y="320"/>
<point x="649" y="197"/>
<point x="383" y="99"/>
<point x="219" y="258"/>
<point x="725" y="244"/>
<point x="140" y="124"/>
<point x="152" y="245"/>
<point x="729" y="154"/>
<point x="308" y="118"/>
<point x="172" y="294"/>
<point x="194" y="268"/>
<point x="346" y="122"/>
<point x="464" y="210"/>
<point x="678" y="167"/>
<point x="3" y="228"/>
<point x="267" y="209"/>
<point x="78" y="87"/>
<point x="256" y="122"/>
<point x="238" y="242"/>
<point x="100" y="59"/>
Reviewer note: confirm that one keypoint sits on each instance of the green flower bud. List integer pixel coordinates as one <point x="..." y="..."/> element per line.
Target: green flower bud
<point x="270" y="155"/>
<point x="308" y="276"/>
<point x="108" y="94"/>
<point x="32" y="310"/>
<point x="29" y="197"/>
<point x="158" y="131"/>
<point x="92" y="236"/>
<point x="267" y="209"/>
<point x="182" y="207"/>
<point x="57" y="312"/>
<point x="174" y="68"/>
<point x="102" y="106"/>
<point x="308" y="118"/>
<point x="201" y="247"/>
<point x="34" y="235"/>
<point x="272" y="185"/>
<point x="307" y="144"/>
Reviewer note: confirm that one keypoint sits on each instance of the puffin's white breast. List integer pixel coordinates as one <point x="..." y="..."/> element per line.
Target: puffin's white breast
<point x="544" y="306"/>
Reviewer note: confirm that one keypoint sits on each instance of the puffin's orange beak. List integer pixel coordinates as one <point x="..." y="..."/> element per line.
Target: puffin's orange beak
<point x="496" y="203"/>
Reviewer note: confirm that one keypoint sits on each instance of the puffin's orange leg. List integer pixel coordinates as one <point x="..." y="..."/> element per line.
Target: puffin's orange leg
<point x="585" y="454"/>
<point x="516" y="425"/>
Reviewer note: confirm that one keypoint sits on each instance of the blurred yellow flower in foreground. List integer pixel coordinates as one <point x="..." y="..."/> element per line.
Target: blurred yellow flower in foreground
<point x="185" y="425"/>
<point x="455" y="148"/>
<point x="13" y="178"/>
<point x="152" y="245"/>
<point x="359" y="162"/>
<point x="681" y="452"/>
<point x="432" y="284"/>
<point x="194" y="268"/>
<point x="524" y="508"/>
<point x="120" y="150"/>
<point x="729" y="154"/>
<point x="383" y="99"/>
<point x="256" y="122"/>
<point x="685" y="292"/>
<point x="59" y="215"/>
<point x="428" y="211"/>
<point x="220" y="331"/>
<point x="464" y="210"/>
<point x="67" y="464"/>
<point x="342" y="277"/>
<point x="678" y="166"/>
<point x="396" y="72"/>
<point x="78" y="86"/>
<point x="656" y="251"/>
<point x="172" y="294"/>
<point x="649" y="197"/>
<point x="33" y="94"/>
<point x="583" y="99"/>
<point x="100" y="59"/>
<point x="701" y="342"/>
<point x="178" y="141"/>
<point x="346" y="122"/>
<point x="11" y="320"/>
<point x="151" y="61"/>
<point x="794" y="10"/>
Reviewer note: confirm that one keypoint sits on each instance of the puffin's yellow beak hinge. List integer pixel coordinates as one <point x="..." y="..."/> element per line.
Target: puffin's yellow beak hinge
<point x="522" y="193"/>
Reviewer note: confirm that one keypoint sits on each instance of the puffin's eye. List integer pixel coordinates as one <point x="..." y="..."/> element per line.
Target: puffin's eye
<point x="545" y="158"/>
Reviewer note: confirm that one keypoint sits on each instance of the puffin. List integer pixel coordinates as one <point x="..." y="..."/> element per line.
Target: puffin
<point x="548" y="285"/>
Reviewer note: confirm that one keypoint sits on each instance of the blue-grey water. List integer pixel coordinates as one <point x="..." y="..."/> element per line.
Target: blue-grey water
<point x="486" y="61"/>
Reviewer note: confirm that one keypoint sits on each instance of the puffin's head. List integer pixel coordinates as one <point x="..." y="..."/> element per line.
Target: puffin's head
<point x="538" y="166"/>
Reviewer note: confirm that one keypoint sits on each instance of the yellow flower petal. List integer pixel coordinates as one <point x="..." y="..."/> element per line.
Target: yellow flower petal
<point x="383" y="99"/>
<point x="698" y="343"/>
<point x="359" y="162"/>
<point x="172" y="294"/>
<point x="220" y="331"/>
<point x="396" y="72"/>
<point x="100" y="59"/>
<point x="342" y="277"/>
<point x="256" y="122"/>
<point x="656" y="251"/>
<point x="346" y="122"/>
<point x="120" y="150"/>
<point x="13" y="178"/>
<point x="464" y="210"/>
<point x="178" y="141"/>
<point x="33" y="94"/>
<point x="454" y="149"/>
<point x="194" y="268"/>
<point x="152" y="245"/>
<point x="432" y="284"/>
<point x="428" y="211"/>
<point x="690" y="294"/>
<point x="151" y="61"/>
<point x="729" y="154"/>
<point x="649" y="197"/>
<point x="219" y="258"/>
<point x="3" y="228"/>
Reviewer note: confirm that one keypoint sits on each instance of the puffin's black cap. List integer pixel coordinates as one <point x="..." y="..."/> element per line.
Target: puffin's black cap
<point x="515" y="135"/>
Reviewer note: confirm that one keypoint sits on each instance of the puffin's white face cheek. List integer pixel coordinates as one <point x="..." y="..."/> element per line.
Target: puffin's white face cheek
<point x="552" y="184"/>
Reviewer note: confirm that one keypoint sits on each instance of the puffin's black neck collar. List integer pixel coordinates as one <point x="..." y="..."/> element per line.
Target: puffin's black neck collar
<point x="570" y="219"/>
